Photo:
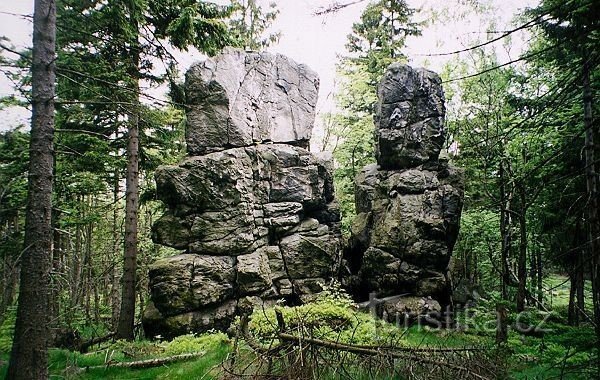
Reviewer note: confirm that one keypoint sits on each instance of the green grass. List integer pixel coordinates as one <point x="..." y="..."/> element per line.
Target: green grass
<point x="558" y="296"/>
<point x="563" y="352"/>
<point x="69" y="365"/>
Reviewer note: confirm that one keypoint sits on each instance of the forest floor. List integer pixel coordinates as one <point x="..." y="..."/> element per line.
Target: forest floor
<point x="560" y="351"/>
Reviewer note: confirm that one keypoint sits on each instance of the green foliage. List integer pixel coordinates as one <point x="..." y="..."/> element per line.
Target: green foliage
<point x="250" y="21"/>
<point x="192" y="343"/>
<point x="68" y="364"/>
<point x="477" y="250"/>
<point x="7" y="329"/>
<point x="332" y="315"/>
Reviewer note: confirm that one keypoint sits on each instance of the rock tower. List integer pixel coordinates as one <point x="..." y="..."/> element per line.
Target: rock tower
<point x="251" y="209"/>
<point x="409" y="203"/>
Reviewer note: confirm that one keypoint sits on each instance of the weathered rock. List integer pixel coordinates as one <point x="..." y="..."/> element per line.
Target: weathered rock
<point x="256" y="175"/>
<point x="410" y="117"/>
<point x="253" y="273"/>
<point x="410" y="308"/>
<point x="256" y="217"/>
<point x="409" y="204"/>
<point x="239" y="98"/>
<point x="187" y="282"/>
<point x="309" y="256"/>
<point x="157" y="324"/>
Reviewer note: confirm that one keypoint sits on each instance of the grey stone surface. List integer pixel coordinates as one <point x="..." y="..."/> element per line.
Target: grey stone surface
<point x="409" y="204"/>
<point x="411" y="308"/>
<point x="409" y="120"/>
<point x="252" y="209"/>
<point x="187" y="282"/>
<point x="239" y="98"/>
<point x="253" y="273"/>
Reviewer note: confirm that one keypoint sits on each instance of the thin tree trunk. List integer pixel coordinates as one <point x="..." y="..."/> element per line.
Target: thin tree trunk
<point x="76" y="268"/>
<point x="572" y="312"/>
<point x="55" y="275"/>
<point x="522" y="260"/>
<point x="533" y="269"/>
<point x="540" y="274"/>
<point x="128" y="294"/>
<point x="505" y="230"/>
<point x="87" y="266"/>
<point x="29" y="356"/>
<point x="592" y="190"/>
<point x="114" y="294"/>
<point x="579" y="287"/>
<point x="11" y="273"/>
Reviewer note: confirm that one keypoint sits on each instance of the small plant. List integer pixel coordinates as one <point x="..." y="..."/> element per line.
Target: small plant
<point x="191" y="343"/>
<point x="7" y="329"/>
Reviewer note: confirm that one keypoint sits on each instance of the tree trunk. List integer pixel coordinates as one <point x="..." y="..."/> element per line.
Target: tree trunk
<point x="76" y="268"/>
<point x="540" y="274"/>
<point x="11" y="273"/>
<point x="505" y="230"/>
<point x="29" y="356"/>
<point x="522" y="261"/>
<point x="592" y="190"/>
<point x="533" y="269"/>
<point x="572" y="312"/>
<point x="115" y="301"/>
<point x="128" y="294"/>
<point x="579" y="288"/>
<point x="501" y="323"/>
<point x="55" y="287"/>
<point x="86" y="280"/>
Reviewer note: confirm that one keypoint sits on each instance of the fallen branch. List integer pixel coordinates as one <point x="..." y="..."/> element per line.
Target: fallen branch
<point x="148" y="363"/>
<point x="374" y="352"/>
<point x="86" y="345"/>
<point x="254" y="345"/>
<point x="290" y="348"/>
<point x="83" y="347"/>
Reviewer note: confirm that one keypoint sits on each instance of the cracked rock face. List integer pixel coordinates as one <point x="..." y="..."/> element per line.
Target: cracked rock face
<point x="240" y="98"/>
<point x="251" y="210"/>
<point x="409" y="204"/>
<point x="409" y="117"/>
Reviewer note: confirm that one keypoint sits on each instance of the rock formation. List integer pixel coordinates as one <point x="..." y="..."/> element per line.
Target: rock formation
<point x="251" y="210"/>
<point x="408" y="205"/>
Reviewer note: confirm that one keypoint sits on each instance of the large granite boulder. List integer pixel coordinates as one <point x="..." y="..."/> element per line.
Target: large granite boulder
<point x="239" y="98"/>
<point x="408" y="205"/>
<point x="250" y="209"/>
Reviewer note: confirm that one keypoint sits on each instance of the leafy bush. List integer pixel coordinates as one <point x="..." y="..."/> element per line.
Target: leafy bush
<point x="332" y="315"/>
<point x="136" y="349"/>
<point x="191" y="343"/>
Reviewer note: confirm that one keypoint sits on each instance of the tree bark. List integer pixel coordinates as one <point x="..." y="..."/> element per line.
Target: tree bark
<point x="592" y="192"/>
<point x="505" y="229"/>
<point x="149" y="363"/>
<point x="522" y="260"/>
<point x="572" y="313"/>
<point x="128" y="294"/>
<point x="501" y="323"/>
<point x="115" y="301"/>
<point x="29" y="356"/>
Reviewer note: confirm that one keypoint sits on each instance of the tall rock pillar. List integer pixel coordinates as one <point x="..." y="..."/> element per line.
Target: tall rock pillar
<point x="250" y="209"/>
<point x="409" y="203"/>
